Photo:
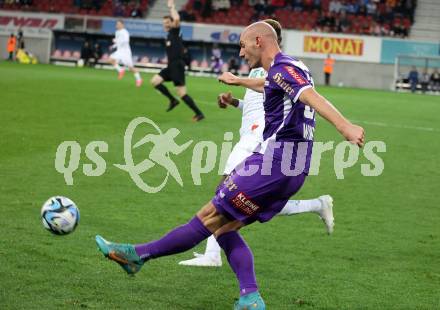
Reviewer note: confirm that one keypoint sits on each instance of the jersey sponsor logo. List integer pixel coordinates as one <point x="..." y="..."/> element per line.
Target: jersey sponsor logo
<point x="295" y="75"/>
<point x="244" y="204"/>
<point x="278" y="79"/>
<point x="333" y="45"/>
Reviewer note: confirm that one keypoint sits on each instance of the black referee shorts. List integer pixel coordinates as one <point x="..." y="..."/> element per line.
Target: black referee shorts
<point x="175" y="72"/>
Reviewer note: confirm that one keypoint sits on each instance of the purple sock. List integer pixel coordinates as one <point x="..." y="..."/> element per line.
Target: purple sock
<point x="178" y="240"/>
<point x="241" y="260"/>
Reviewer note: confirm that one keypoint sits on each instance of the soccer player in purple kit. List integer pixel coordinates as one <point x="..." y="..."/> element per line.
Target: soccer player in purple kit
<point x="290" y="104"/>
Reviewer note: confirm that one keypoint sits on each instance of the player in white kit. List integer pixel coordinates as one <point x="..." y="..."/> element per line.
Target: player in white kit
<point x="122" y="55"/>
<point x="251" y="135"/>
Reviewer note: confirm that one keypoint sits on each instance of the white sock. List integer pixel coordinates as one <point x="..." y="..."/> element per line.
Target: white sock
<point x="137" y="76"/>
<point x="118" y="67"/>
<point x="212" y="247"/>
<point x="301" y="206"/>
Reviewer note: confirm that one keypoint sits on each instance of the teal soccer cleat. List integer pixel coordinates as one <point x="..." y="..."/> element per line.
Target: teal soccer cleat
<point x="124" y="254"/>
<point x="252" y="301"/>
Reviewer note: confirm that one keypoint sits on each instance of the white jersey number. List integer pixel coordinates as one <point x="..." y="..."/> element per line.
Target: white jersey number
<point x="308" y="130"/>
<point x="309" y="112"/>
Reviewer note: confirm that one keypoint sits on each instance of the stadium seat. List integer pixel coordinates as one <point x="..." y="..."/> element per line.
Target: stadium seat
<point x="56" y="54"/>
<point x="204" y="64"/>
<point x="67" y="54"/>
<point x="68" y="7"/>
<point x="240" y="13"/>
<point x="145" y="60"/>
<point x="194" y="63"/>
<point x="325" y="5"/>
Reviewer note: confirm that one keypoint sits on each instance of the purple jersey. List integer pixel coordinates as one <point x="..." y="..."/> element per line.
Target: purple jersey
<point x="287" y="119"/>
<point x="289" y="126"/>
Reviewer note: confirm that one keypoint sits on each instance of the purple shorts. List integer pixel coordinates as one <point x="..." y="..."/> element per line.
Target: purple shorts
<point x="259" y="196"/>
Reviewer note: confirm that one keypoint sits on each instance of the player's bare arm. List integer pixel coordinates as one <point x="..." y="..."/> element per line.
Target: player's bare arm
<point x="351" y="132"/>
<point x="256" y="84"/>
<point x="174" y="14"/>
<point x="225" y="99"/>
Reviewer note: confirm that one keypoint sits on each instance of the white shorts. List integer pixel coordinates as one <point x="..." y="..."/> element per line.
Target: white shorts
<point x="243" y="149"/>
<point x="123" y="57"/>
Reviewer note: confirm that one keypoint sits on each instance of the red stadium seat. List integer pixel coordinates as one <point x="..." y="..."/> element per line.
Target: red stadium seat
<point x="215" y="19"/>
<point x="305" y="16"/>
<point x="56" y="53"/>
<point x="67" y="54"/>
<point x="325" y="5"/>
<point x="67" y="7"/>
<point x="204" y="64"/>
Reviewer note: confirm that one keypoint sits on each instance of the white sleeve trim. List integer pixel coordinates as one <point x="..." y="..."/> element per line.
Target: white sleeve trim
<point x="300" y="91"/>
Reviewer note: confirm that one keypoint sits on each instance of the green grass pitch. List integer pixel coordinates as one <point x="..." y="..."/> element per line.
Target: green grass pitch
<point x="384" y="253"/>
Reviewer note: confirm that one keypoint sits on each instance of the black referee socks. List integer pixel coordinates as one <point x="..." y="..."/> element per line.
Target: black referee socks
<point x="164" y="91"/>
<point x="191" y="104"/>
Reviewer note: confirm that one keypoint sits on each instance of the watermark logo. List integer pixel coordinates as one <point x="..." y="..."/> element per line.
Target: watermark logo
<point x="159" y="150"/>
<point x="163" y="146"/>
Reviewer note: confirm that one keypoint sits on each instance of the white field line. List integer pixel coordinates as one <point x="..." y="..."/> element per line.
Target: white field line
<point x="381" y="124"/>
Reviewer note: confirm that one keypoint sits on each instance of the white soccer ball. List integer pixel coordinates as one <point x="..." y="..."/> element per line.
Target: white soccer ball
<point x="60" y="215"/>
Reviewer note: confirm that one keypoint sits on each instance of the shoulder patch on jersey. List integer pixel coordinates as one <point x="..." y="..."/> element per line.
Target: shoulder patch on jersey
<point x="293" y="73"/>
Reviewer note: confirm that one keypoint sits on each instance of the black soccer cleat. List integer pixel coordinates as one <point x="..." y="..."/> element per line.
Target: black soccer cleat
<point x="173" y="103"/>
<point x="198" y="117"/>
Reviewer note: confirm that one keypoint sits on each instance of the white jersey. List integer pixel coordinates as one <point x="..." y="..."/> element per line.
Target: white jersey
<point x="252" y="124"/>
<point x="252" y="106"/>
<point x="123" y="50"/>
<point x="122" y="40"/>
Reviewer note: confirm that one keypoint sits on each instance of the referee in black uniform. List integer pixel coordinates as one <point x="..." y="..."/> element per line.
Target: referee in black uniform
<point x="175" y="71"/>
